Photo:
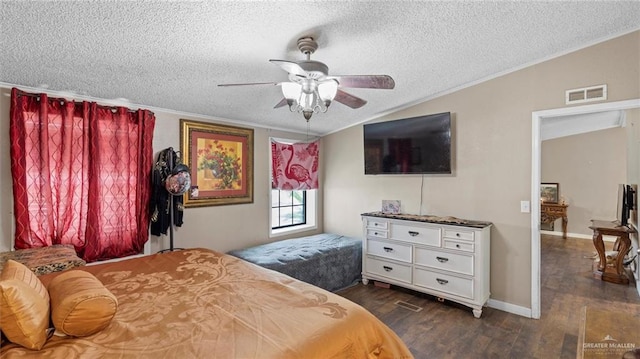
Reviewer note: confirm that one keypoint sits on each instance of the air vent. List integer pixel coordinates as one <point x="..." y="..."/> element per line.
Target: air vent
<point x="586" y="94"/>
<point x="409" y="306"/>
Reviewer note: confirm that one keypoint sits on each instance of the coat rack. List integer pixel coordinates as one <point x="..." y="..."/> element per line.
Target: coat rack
<point x="170" y="165"/>
<point x="171" y="178"/>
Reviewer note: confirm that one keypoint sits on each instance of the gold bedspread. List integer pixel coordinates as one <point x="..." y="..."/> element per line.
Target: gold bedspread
<point x="199" y="303"/>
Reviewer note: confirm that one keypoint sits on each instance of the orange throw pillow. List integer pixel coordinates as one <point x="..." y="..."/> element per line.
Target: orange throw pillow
<point x="17" y="270"/>
<point x="24" y="314"/>
<point x="80" y="304"/>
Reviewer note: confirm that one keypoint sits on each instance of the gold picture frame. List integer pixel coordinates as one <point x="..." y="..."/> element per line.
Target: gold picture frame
<point x="220" y="159"/>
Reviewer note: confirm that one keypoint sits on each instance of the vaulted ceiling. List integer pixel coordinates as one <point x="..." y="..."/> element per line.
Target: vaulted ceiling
<point x="174" y="54"/>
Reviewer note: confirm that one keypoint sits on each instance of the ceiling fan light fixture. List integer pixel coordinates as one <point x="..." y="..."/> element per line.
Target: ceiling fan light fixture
<point x="307" y="97"/>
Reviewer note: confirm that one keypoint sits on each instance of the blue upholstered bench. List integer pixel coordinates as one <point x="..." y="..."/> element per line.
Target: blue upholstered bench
<point x="329" y="261"/>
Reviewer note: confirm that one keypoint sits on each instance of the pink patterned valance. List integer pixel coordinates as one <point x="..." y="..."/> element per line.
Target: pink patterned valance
<point x="295" y="166"/>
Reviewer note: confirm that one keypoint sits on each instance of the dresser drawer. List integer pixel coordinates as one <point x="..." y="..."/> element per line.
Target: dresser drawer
<point x="416" y="234"/>
<point x="378" y="233"/>
<point x="391" y="250"/>
<point x="387" y="269"/>
<point x="458" y="245"/>
<point x="451" y="262"/>
<point x="462" y="287"/>
<point x="458" y="234"/>
<point x="377" y="224"/>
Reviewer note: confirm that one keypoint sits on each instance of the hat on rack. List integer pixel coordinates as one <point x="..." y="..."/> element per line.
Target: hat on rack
<point x="179" y="180"/>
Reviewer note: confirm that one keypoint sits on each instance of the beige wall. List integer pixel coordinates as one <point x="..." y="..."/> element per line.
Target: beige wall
<point x="493" y="156"/>
<point x="588" y="168"/>
<point x="221" y="228"/>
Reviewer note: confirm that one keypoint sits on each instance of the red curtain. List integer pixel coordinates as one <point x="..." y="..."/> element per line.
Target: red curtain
<point x="294" y="166"/>
<point x="81" y="175"/>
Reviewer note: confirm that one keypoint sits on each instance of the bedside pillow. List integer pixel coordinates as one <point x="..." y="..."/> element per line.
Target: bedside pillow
<point x="24" y="314"/>
<point x="17" y="270"/>
<point x="43" y="260"/>
<point x="80" y="304"/>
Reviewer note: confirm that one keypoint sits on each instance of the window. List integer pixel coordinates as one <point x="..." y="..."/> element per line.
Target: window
<point x="79" y="173"/>
<point x="288" y="208"/>
<point x="291" y="210"/>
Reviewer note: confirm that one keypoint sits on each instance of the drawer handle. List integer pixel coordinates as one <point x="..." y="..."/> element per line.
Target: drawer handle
<point x="442" y="259"/>
<point x="413" y="234"/>
<point x="375" y="224"/>
<point x="388" y="269"/>
<point x="442" y="281"/>
<point x="457" y="234"/>
<point x="457" y="246"/>
<point x="388" y="249"/>
<point x="375" y="233"/>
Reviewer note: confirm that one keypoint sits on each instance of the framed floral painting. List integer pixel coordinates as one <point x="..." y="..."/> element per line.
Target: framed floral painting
<point x="220" y="159"/>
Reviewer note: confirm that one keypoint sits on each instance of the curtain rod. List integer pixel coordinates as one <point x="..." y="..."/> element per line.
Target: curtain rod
<point x="109" y="107"/>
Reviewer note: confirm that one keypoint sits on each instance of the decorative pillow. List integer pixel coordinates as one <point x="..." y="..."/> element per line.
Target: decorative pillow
<point x="24" y="314"/>
<point x="43" y="260"/>
<point x="80" y="304"/>
<point x="17" y="270"/>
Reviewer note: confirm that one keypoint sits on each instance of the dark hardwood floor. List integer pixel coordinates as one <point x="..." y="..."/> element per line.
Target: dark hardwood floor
<point x="449" y="330"/>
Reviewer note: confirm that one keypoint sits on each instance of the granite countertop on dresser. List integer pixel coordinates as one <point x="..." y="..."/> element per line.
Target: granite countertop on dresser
<point x="431" y="219"/>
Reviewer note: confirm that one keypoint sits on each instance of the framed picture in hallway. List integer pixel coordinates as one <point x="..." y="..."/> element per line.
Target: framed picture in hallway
<point x="549" y="192"/>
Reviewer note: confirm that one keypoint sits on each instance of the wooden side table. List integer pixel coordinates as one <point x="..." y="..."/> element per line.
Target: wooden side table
<point x="611" y="272"/>
<point x="549" y="212"/>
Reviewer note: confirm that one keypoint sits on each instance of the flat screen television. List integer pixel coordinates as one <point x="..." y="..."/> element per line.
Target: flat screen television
<point x="416" y="145"/>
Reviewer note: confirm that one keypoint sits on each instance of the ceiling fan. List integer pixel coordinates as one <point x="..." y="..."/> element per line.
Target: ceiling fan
<point x="311" y="89"/>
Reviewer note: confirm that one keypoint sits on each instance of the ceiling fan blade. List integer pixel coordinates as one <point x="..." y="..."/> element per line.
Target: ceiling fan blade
<point x="291" y="67"/>
<point x="251" y="83"/>
<point x="282" y="102"/>
<point x="366" y="81"/>
<point x="349" y="100"/>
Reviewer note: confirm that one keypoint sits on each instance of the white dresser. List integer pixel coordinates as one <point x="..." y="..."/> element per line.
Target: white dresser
<point x="442" y="256"/>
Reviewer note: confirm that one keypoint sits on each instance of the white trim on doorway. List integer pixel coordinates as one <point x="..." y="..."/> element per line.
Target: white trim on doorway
<point x="536" y="118"/>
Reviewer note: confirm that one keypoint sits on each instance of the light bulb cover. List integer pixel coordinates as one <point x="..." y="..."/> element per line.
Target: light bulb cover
<point x="307" y="101"/>
<point x="291" y="90"/>
<point x="327" y="90"/>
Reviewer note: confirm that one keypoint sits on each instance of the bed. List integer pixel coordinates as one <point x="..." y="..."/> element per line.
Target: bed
<point x="198" y="303"/>
<point x="327" y="260"/>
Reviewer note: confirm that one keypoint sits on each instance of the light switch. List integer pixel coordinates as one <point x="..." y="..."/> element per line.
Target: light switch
<point x="525" y="206"/>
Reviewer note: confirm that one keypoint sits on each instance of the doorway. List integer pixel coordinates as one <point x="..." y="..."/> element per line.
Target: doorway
<point x="537" y="119"/>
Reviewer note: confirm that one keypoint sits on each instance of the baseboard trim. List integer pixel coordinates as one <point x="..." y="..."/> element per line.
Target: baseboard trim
<point x="579" y="235"/>
<point x="509" y="308"/>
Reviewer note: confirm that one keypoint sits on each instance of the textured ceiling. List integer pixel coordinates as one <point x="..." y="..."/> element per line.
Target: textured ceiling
<point x="172" y="55"/>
